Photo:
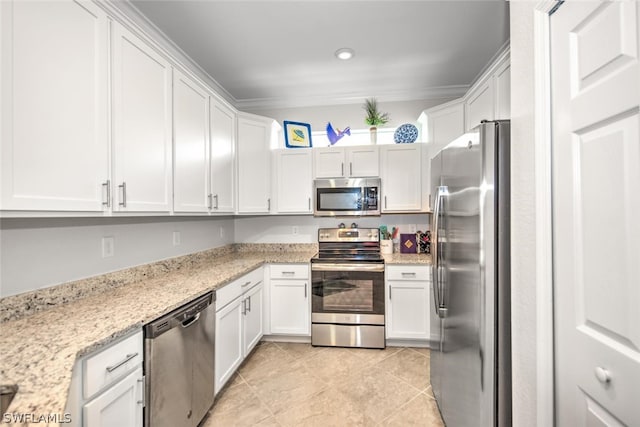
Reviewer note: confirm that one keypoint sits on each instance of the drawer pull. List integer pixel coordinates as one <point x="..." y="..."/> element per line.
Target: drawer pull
<point x="246" y="283"/>
<point x="125" y="360"/>
<point x="410" y="274"/>
<point x="288" y="273"/>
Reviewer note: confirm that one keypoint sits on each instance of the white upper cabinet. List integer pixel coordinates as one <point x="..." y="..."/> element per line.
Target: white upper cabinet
<point x="293" y="180"/>
<point x="223" y="145"/>
<point x="254" y="164"/>
<point x="480" y="104"/>
<point x="489" y="98"/>
<point x="502" y="86"/>
<point x="401" y="177"/>
<point x="191" y="145"/>
<point x="54" y="100"/>
<point x="444" y="123"/>
<point x="142" y="161"/>
<point x="346" y="162"/>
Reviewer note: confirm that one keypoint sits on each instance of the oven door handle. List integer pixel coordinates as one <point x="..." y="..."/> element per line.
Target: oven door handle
<point x="347" y="267"/>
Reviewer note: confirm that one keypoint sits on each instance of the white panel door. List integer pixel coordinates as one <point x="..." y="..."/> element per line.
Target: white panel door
<point x="408" y="309"/>
<point x="54" y="107"/>
<point x="362" y="162"/>
<point x="229" y="350"/>
<point x="223" y="151"/>
<point x="142" y="125"/>
<point x="254" y="166"/>
<point x="293" y="180"/>
<point x="190" y="145"/>
<point x="445" y="125"/>
<point x="119" y="405"/>
<point x="253" y="326"/>
<point x="328" y="162"/>
<point x="479" y="105"/>
<point x="401" y="177"/>
<point x="289" y="307"/>
<point x="596" y="211"/>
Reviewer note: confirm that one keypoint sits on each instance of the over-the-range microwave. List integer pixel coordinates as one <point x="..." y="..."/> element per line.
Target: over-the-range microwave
<point x="346" y="197"/>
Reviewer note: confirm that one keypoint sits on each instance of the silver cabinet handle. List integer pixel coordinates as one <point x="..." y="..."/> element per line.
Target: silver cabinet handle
<point x="244" y="306"/>
<point x="107" y="186"/>
<point x="269" y="204"/>
<point x="385" y="202"/>
<point x="288" y="273"/>
<point x="390" y="293"/>
<point x="123" y="201"/>
<point x="309" y="204"/>
<point x="215" y="198"/>
<point x="350" y="169"/>
<point x="408" y="274"/>
<point x="246" y="283"/>
<point x="249" y="299"/>
<point x="209" y="201"/>
<point x="141" y="401"/>
<point x="122" y="362"/>
<point x="305" y="290"/>
<point x="342" y="169"/>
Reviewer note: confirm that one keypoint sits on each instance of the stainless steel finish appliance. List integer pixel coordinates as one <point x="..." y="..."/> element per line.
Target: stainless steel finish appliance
<point x="179" y="363"/>
<point x="346" y="197"/>
<point x="470" y="316"/>
<point x="347" y="304"/>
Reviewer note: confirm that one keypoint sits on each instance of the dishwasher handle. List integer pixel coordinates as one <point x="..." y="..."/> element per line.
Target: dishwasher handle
<point x="190" y="321"/>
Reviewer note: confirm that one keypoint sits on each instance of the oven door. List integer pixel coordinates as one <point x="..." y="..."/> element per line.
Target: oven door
<point x="347" y="293"/>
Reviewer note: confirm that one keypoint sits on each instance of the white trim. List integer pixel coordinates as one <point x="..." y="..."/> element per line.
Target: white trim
<point x="431" y="93"/>
<point x="545" y="393"/>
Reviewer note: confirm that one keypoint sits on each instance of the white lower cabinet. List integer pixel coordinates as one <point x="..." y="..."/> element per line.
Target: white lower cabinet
<point x="408" y="290"/>
<point x="120" y="405"/>
<point x="239" y="323"/>
<point x="289" y="299"/>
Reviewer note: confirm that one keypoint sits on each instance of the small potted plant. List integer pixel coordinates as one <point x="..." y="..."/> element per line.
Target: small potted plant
<point x="374" y="118"/>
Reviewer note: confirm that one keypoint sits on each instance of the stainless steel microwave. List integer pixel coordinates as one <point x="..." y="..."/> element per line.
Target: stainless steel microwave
<point x="346" y="197"/>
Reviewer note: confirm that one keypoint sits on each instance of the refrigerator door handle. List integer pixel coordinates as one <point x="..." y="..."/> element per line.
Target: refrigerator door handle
<point x="441" y="191"/>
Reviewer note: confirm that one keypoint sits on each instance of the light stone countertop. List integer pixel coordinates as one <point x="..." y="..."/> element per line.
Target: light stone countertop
<point x="38" y="352"/>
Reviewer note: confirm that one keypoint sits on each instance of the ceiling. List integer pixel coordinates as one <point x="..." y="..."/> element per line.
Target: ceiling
<point x="281" y="53"/>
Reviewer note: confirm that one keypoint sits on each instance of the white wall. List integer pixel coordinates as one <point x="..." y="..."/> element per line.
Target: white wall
<point x="279" y="229"/>
<point x="523" y="221"/>
<point x="38" y="253"/>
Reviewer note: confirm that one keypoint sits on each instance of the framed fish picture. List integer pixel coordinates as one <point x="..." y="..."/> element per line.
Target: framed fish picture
<point x="297" y="135"/>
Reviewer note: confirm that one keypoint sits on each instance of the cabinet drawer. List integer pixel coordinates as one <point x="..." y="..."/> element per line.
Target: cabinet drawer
<point x="112" y="363"/>
<point x="289" y="271"/>
<point x="233" y="290"/>
<point x="408" y="272"/>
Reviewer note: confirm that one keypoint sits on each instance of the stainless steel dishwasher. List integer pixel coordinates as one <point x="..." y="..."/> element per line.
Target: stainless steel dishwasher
<point x="179" y="364"/>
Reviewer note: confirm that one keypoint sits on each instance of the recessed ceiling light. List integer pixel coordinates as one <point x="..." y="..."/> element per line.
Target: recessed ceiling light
<point x="345" y="53"/>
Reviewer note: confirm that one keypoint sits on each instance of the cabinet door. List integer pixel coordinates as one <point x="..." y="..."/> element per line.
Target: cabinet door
<point x="479" y="105"/>
<point x="142" y="125"/>
<point x="328" y="162"/>
<point x="401" y="178"/>
<point x="191" y="145"/>
<point x="120" y="405"/>
<point x="253" y="327"/>
<point x="254" y="180"/>
<point x="408" y="309"/>
<point x="502" y="81"/>
<point x="445" y="125"/>
<point x="228" y="342"/>
<point x="54" y="106"/>
<point x="362" y="162"/>
<point x="223" y="146"/>
<point x="289" y="307"/>
<point x="293" y="180"/>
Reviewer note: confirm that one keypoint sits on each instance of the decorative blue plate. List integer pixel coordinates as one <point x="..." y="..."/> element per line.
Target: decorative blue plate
<point x="405" y="134"/>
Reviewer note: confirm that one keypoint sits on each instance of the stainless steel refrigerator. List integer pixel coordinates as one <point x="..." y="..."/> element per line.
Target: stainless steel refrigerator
<point x="470" y="314"/>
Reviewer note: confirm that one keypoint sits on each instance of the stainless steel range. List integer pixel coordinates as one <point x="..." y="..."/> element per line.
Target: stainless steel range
<point x="348" y="289"/>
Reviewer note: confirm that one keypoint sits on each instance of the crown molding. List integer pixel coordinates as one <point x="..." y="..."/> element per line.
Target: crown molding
<point x="441" y="92"/>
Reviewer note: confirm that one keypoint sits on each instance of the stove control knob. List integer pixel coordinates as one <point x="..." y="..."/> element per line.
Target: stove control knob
<point x="341" y="225"/>
<point x="354" y="225"/>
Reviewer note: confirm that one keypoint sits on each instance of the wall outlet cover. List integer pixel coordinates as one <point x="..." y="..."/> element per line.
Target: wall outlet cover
<point x="108" y="246"/>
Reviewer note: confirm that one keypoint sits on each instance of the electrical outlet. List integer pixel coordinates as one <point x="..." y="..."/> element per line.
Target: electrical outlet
<point x="108" y="247"/>
<point x="412" y="228"/>
<point x="221" y="232"/>
<point x="176" y="238"/>
<point x="295" y="229"/>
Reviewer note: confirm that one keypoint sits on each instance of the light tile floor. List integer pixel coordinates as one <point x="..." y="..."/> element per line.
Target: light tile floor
<point x="287" y="384"/>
